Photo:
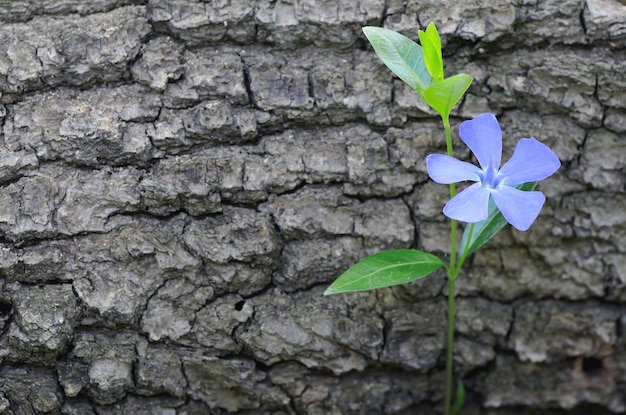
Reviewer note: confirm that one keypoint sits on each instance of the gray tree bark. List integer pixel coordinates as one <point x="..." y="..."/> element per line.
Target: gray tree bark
<point x="181" y="179"/>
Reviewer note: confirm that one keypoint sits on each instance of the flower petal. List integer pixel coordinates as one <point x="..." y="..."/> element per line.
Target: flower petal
<point x="531" y="161"/>
<point x="445" y="169"/>
<point x="519" y="208"/>
<point x="484" y="137"/>
<point x="471" y="205"/>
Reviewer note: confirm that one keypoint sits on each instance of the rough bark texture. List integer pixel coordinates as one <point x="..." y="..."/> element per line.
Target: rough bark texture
<point x="180" y="180"/>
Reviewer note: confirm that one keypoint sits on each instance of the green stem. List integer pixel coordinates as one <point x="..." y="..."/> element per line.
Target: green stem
<point x="446" y="127"/>
<point x="452" y="274"/>
<point x="450" y="344"/>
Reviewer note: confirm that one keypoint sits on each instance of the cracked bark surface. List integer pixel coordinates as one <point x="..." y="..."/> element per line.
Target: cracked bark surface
<point x="180" y="179"/>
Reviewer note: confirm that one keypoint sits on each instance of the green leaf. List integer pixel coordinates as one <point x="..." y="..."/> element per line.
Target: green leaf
<point x="404" y="57"/>
<point x="431" y="43"/>
<point x="444" y="95"/>
<point x="460" y="398"/>
<point x="488" y="228"/>
<point x="384" y="269"/>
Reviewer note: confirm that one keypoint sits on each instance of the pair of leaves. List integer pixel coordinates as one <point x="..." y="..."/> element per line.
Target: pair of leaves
<point x="431" y="45"/>
<point x="421" y="67"/>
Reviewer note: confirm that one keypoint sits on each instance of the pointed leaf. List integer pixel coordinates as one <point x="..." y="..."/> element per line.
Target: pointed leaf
<point x="431" y="44"/>
<point x="444" y="95"/>
<point x="404" y="57"/>
<point x="488" y="228"/>
<point x="384" y="269"/>
<point x="459" y="401"/>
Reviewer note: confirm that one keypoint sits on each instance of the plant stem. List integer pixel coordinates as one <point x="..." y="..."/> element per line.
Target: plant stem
<point x="449" y="344"/>
<point x="452" y="274"/>
<point x="446" y="127"/>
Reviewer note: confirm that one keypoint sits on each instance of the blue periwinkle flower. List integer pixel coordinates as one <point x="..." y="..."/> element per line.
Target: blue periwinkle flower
<point x="531" y="161"/>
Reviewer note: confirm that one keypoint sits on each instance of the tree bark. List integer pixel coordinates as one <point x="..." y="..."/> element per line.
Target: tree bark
<point x="181" y="179"/>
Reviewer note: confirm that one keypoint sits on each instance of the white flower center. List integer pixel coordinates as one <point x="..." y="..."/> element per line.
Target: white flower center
<point x="491" y="178"/>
